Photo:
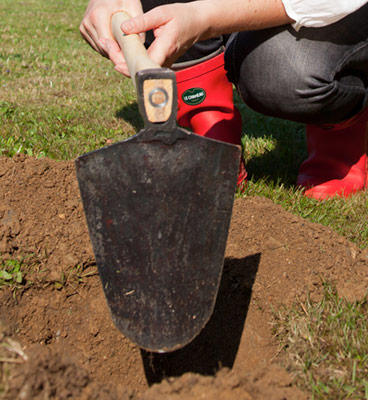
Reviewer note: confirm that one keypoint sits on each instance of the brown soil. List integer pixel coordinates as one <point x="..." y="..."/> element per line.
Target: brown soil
<point x="69" y="347"/>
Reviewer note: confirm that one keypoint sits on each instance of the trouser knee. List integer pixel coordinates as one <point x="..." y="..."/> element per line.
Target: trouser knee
<point x="297" y="75"/>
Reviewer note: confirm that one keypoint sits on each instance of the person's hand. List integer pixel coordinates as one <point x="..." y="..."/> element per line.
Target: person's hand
<point x="96" y="28"/>
<point x="176" y="27"/>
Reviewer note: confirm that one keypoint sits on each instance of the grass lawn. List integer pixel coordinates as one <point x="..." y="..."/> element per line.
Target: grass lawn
<point x="59" y="99"/>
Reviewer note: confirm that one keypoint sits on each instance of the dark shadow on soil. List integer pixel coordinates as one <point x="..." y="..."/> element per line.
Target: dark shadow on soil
<point x="130" y="113"/>
<point x="217" y="345"/>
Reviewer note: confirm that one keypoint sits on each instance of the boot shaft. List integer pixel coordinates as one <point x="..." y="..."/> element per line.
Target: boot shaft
<point x="337" y="158"/>
<point x="205" y="101"/>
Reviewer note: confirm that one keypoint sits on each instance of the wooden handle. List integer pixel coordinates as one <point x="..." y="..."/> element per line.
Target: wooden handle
<point x="157" y="92"/>
<point x="134" y="51"/>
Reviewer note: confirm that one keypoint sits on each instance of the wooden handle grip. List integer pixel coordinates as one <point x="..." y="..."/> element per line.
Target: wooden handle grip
<point x="133" y="49"/>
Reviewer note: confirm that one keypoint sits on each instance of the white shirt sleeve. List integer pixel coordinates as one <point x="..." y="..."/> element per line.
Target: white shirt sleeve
<point x="317" y="13"/>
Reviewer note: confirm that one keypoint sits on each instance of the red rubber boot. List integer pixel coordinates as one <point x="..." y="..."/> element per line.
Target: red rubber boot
<point x="205" y="105"/>
<point x="337" y="162"/>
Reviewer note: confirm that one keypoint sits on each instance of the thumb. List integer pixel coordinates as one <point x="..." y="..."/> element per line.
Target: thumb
<point x="142" y="23"/>
<point x="134" y="25"/>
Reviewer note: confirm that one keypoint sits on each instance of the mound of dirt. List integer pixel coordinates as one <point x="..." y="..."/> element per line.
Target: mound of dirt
<point x="272" y="259"/>
<point x="40" y="214"/>
<point x="55" y="375"/>
<point x="265" y="383"/>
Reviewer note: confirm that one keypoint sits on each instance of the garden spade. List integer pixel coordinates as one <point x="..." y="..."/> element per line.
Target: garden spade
<point x="158" y="207"/>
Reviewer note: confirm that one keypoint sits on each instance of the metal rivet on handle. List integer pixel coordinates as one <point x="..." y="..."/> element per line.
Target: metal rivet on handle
<point x="158" y="97"/>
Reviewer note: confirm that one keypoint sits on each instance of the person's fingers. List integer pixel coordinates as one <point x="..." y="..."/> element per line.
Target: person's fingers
<point x="123" y="69"/>
<point x="145" y="22"/>
<point x="162" y="53"/>
<point x="113" y="51"/>
<point x="88" y="38"/>
<point x="172" y="36"/>
<point x="155" y="19"/>
<point x="89" y="34"/>
<point x="95" y="26"/>
<point x="100" y="20"/>
<point x="167" y="46"/>
<point x="134" y="8"/>
<point x="96" y="30"/>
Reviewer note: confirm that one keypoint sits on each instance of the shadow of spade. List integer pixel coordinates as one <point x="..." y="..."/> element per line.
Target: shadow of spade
<point x="217" y="344"/>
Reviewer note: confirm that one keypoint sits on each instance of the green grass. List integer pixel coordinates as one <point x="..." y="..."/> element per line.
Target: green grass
<point x="274" y="149"/>
<point x="11" y="273"/>
<point x="325" y="345"/>
<point x="74" y="276"/>
<point x="59" y="99"/>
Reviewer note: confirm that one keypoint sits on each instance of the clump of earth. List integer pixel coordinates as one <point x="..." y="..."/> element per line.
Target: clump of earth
<point x="59" y="336"/>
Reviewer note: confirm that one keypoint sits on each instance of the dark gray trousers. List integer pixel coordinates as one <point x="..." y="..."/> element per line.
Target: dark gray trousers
<point x="316" y="75"/>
